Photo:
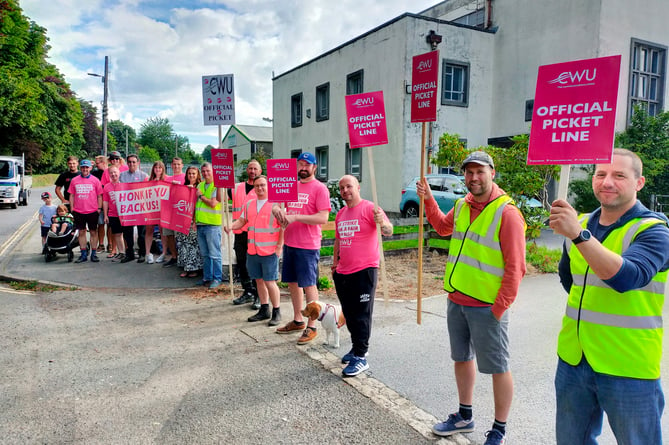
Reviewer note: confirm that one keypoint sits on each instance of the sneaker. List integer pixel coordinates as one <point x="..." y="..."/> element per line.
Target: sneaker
<point x="149" y="258"/>
<point x="349" y="356"/>
<point x="454" y="424"/>
<point x="494" y="437"/>
<point x="214" y="284"/>
<point x="161" y="258"/>
<point x="292" y="326"/>
<point x="127" y="259"/>
<point x="355" y="367"/>
<point x="256" y="302"/>
<point x="276" y="317"/>
<point x="118" y="258"/>
<point x="171" y="263"/>
<point x="263" y="314"/>
<point x="307" y="335"/>
<point x="246" y="297"/>
<point x="94" y="258"/>
<point x="202" y="283"/>
<point x="82" y="259"/>
<point x="140" y="259"/>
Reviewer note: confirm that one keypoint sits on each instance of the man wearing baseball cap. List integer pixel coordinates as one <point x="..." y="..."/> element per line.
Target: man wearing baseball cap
<point x="485" y="265"/>
<point x="86" y="201"/>
<point x="115" y="159"/>
<point x="302" y="242"/>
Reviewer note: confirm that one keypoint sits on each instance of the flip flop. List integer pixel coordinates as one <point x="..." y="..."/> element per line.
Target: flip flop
<point x="183" y="274"/>
<point x="192" y="274"/>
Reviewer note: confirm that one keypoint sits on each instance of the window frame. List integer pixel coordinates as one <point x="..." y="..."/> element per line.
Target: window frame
<point x="322" y="166"/>
<point x="296" y="106"/>
<point x="323" y="102"/>
<point x="638" y="73"/>
<point x="352" y="76"/>
<point x="464" y="91"/>
<point x="349" y="162"/>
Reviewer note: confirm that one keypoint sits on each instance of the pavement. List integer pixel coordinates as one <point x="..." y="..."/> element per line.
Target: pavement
<point x="409" y="387"/>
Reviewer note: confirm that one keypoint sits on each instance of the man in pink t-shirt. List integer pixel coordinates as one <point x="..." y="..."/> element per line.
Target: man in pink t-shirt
<point x="302" y="243"/>
<point x="355" y="263"/>
<point x="86" y="201"/>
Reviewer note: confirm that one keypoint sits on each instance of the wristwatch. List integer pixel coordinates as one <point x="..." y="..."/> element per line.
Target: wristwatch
<point x="583" y="236"/>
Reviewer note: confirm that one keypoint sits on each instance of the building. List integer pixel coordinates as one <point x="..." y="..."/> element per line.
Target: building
<point x="490" y="53"/>
<point x="246" y="140"/>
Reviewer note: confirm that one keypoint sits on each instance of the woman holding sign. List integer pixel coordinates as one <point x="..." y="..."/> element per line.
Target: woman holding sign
<point x="157" y="174"/>
<point x="189" y="257"/>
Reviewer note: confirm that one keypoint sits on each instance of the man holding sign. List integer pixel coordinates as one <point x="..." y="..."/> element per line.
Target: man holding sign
<point x="486" y="263"/>
<point x="614" y="266"/>
<point x="302" y="243"/>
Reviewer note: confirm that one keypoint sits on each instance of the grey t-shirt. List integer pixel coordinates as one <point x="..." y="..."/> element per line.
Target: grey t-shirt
<point x="137" y="176"/>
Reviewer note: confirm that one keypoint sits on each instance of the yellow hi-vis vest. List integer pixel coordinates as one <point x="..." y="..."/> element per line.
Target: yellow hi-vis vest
<point x="620" y="334"/>
<point x="205" y="214"/>
<point x="263" y="235"/>
<point x="475" y="264"/>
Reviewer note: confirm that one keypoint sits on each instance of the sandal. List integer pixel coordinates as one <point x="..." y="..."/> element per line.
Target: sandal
<point x="183" y="274"/>
<point x="192" y="274"/>
<point x="111" y="255"/>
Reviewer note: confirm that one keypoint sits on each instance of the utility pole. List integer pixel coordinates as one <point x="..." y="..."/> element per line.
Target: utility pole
<point x="105" y="79"/>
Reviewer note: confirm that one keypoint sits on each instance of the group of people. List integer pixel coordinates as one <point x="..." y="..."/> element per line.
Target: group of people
<point x="614" y="268"/>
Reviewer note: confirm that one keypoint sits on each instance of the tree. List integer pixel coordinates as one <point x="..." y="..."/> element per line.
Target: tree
<point x="206" y="153"/>
<point x="118" y="130"/>
<point x="452" y="151"/>
<point x="92" y="132"/>
<point x="39" y="114"/>
<point x="148" y="155"/>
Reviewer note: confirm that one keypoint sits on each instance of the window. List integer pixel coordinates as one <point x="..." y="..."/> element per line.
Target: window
<point x="232" y="140"/>
<point x="354" y="82"/>
<point x="323" y="102"/>
<point x="296" y="110"/>
<point x="455" y="83"/>
<point x="529" y="110"/>
<point x="354" y="162"/>
<point x="322" y="167"/>
<point x="476" y="18"/>
<point x="647" y="77"/>
<point x="294" y="154"/>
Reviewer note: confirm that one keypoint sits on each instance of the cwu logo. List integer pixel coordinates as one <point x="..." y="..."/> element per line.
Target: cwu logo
<point x="365" y="101"/>
<point x="577" y="77"/>
<point x="425" y="65"/>
<point x="184" y="206"/>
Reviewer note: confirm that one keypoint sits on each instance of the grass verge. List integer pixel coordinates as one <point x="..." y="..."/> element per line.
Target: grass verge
<point x="36" y="286"/>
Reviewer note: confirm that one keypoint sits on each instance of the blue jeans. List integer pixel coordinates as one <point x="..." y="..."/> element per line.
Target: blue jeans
<point x="633" y="406"/>
<point x="209" y="239"/>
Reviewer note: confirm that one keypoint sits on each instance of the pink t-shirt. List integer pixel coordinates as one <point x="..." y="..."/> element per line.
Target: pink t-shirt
<point x="105" y="175"/>
<point x="313" y="197"/>
<point x="109" y="196"/>
<point x="358" y="241"/>
<point x="180" y="178"/>
<point x="86" y="192"/>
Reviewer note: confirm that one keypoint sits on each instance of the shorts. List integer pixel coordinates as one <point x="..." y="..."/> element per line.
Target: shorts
<point x="167" y="232"/>
<point x="300" y="266"/>
<point x="101" y="219"/>
<point x="475" y="332"/>
<point x="115" y="225"/>
<point x="263" y="267"/>
<point x="44" y="230"/>
<point x="81" y="220"/>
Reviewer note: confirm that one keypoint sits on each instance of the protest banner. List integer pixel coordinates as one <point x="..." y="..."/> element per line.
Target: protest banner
<point x="177" y="212"/>
<point x="223" y="166"/>
<point x="282" y="180"/>
<point x="139" y="203"/>
<point x="424" y="78"/>
<point x="366" y="119"/>
<point x="218" y="99"/>
<point x="574" y="115"/>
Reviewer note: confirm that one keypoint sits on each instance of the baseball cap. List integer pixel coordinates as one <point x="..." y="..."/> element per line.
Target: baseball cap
<point x="46" y="195"/>
<point x="114" y="155"/>
<point x="306" y="156"/>
<point x="85" y="163"/>
<point x="478" y="157"/>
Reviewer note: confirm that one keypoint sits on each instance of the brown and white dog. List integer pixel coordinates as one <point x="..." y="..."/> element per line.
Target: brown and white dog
<point x="329" y="315"/>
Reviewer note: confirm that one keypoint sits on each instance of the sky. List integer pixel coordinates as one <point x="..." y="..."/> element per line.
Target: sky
<point x="160" y="49"/>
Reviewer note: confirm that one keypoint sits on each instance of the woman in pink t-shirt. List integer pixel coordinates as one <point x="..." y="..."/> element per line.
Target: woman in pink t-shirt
<point x="157" y="174"/>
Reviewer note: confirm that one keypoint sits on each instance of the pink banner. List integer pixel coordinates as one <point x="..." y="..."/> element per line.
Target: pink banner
<point x="366" y="119"/>
<point x="177" y="213"/>
<point x="282" y="180"/>
<point x="139" y="203"/>
<point x="424" y="78"/>
<point x="223" y="165"/>
<point x="575" y="112"/>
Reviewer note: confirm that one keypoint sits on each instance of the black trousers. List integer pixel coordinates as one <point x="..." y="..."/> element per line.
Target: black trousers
<point x="356" y="295"/>
<point x="129" y="238"/>
<point x="241" y="246"/>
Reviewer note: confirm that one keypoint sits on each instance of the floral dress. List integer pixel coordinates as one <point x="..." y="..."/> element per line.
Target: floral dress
<point x="188" y="251"/>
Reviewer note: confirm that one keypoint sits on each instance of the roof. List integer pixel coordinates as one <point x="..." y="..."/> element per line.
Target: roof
<point x="253" y="133"/>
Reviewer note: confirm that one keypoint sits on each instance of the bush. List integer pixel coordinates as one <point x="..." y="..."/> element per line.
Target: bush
<point x="324" y="283"/>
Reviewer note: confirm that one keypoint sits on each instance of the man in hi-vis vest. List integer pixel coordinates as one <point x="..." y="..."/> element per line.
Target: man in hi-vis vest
<point x="486" y="262"/>
<point x="614" y="267"/>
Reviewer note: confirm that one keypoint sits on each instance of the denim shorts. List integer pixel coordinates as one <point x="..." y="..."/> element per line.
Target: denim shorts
<point x="475" y="332"/>
<point x="263" y="267"/>
<point x="101" y="219"/>
<point x="300" y="266"/>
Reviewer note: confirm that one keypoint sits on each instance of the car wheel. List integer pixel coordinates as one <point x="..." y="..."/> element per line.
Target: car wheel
<point x="411" y="211"/>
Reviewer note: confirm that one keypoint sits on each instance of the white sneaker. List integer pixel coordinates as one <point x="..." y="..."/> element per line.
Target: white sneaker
<point x="161" y="258"/>
<point x="149" y="258"/>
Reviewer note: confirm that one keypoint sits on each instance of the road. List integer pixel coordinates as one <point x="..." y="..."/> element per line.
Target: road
<point x="14" y="219"/>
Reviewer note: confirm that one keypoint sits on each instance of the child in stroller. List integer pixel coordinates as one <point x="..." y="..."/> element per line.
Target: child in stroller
<point x="62" y="237"/>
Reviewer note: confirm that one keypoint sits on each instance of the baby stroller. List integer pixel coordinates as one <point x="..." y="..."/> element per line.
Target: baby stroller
<point x="56" y="243"/>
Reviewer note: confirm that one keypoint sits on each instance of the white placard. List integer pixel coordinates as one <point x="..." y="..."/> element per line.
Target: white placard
<point x="218" y="99"/>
